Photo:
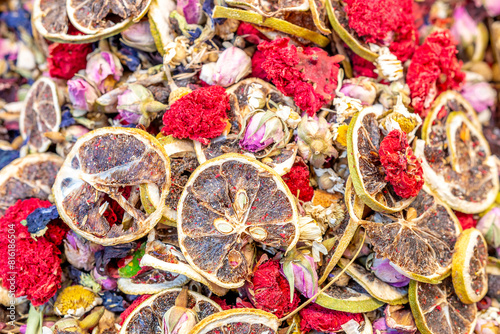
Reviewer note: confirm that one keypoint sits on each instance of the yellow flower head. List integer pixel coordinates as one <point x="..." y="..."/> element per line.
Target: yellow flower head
<point x="342" y="134"/>
<point x="76" y="300"/>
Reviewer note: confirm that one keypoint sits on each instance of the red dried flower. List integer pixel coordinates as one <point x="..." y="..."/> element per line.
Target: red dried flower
<point x="270" y="291"/>
<point x="297" y="180"/>
<point x="132" y="307"/>
<point x="66" y="59"/>
<point x="402" y="168"/>
<point x="308" y="74"/>
<point x="325" y="320"/>
<point x="433" y="70"/>
<point x="257" y="70"/>
<point x="198" y="115"/>
<point x="362" y="67"/>
<point x="56" y="231"/>
<point x="466" y="220"/>
<point x="37" y="265"/>
<point x="386" y="22"/>
<point x="250" y="33"/>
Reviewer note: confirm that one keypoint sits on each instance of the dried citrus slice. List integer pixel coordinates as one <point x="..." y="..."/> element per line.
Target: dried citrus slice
<point x="150" y="281"/>
<point x="147" y="317"/>
<point x="105" y="17"/>
<point x="351" y="298"/>
<point x="437" y="309"/>
<point x="50" y="19"/>
<point x="238" y="321"/>
<point x="418" y="241"/>
<point x="376" y="288"/>
<point x="31" y="176"/>
<point x="271" y="8"/>
<point x="40" y="115"/>
<point x="162" y="254"/>
<point x="469" y="266"/>
<point x="228" y="203"/>
<point x="270" y="22"/>
<point x="319" y="13"/>
<point x="104" y="170"/>
<point x="183" y="162"/>
<point x="354" y="204"/>
<point x="363" y="143"/>
<point x="456" y="158"/>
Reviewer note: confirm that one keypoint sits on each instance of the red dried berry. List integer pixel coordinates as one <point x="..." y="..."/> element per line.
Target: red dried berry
<point x="402" y="168"/>
<point x="434" y="69"/>
<point x="199" y="115"/>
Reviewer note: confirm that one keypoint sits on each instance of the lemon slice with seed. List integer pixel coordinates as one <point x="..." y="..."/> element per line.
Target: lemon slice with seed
<point x="228" y="203"/>
<point x="28" y="177"/>
<point x="438" y="310"/>
<point x="378" y="289"/>
<point x="41" y="114"/>
<point x="239" y="320"/>
<point x="419" y="241"/>
<point x="95" y="176"/>
<point x="363" y="142"/>
<point x="147" y="317"/>
<point x="456" y="158"/>
<point x="352" y="298"/>
<point x="148" y="282"/>
<point x="470" y="259"/>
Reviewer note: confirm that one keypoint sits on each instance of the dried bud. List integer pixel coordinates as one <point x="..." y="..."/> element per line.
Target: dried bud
<point x="232" y="66"/>
<point x="176" y="51"/>
<point x="179" y="319"/>
<point x="82" y="94"/>
<point x="492" y="7"/>
<point x="104" y="69"/>
<point x="264" y="129"/>
<point x="139" y="37"/>
<point x="315" y="140"/>
<point x="464" y="27"/>
<point x="290" y="117"/>
<point x="191" y="10"/>
<point x="484" y="326"/>
<point x="383" y="269"/>
<point x="480" y="95"/>
<point x="78" y="252"/>
<point x="389" y="67"/>
<point x="136" y="104"/>
<point x="363" y="89"/>
<point x="489" y="226"/>
<point x="256" y="97"/>
<point x="207" y="73"/>
<point x="300" y="271"/>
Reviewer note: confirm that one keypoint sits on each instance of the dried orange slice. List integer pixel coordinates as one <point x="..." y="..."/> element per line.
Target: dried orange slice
<point x="363" y="142"/>
<point x="147" y="317"/>
<point x="50" y="19"/>
<point x="31" y="176"/>
<point x="456" y="158"/>
<point x="106" y="16"/>
<point x="437" y="309"/>
<point x="101" y="168"/>
<point x="240" y="320"/>
<point x="228" y="203"/>
<point x="40" y="115"/>
<point x="418" y="241"/>
<point x="469" y="266"/>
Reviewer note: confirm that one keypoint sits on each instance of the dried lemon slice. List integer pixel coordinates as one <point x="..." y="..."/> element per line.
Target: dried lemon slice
<point x="469" y="266"/>
<point x="151" y="281"/>
<point x="106" y="16"/>
<point x="418" y="241"/>
<point x="351" y="298"/>
<point x="50" y="19"/>
<point x="146" y="317"/>
<point x="456" y="158"/>
<point x="96" y="174"/>
<point x="378" y="289"/>
<point x="238" y="321"/>
<point x="228" y="203"/>
<point x="437" y="309"/>
<point x="363" y="142"/>
<point x="40" y="115"/>
<point x="354" y="204"/>
<point x="28" y="177"/>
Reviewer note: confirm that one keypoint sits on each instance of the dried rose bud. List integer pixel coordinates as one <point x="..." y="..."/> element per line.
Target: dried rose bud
<point x="232" y="66"/>
<point x="492" y="7"/>
<point x="207" y="73"/>
<point x="383" y="269"/>
<point x="315" y="140"/>
<point x="78" y="252"/>
<point x="179" y="319"/>
<point x="104" y="69"/>
<point x="191" y="10"/>
<point x="264" y="129"/>
<point x="480" y="95"/>
<point x="363" y="89"/>
<point x="136" y="104"/>
<point x="139" y="37"/>
<point x="106" y="282"/>
<point x="82" y="94"/>
<point x="300" y="271"/>
<point x="484" y="326"/>
<point x="464" y="27"/>
<point x="489" y="226"/>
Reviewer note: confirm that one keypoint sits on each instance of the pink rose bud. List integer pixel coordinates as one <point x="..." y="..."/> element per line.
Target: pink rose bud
<point x="263" y="130"/>
<point x="82" y="94"/>
<point x="232" y="66"/>
<point x="480" y="95"/>
<point x="139" y="37"/>
<point x="363" y="89"/>
<point x="101" y="66"/>
<point x="383" y="269"/>
<point x="489" y="226"/>
<point x="492" y="7"/>
<point x="191" y="10"/>
<point x="464" y="27"/>
<point x="300" y="271"/>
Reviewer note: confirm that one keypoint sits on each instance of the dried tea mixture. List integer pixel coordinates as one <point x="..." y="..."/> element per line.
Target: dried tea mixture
<point x="249" y="167"/>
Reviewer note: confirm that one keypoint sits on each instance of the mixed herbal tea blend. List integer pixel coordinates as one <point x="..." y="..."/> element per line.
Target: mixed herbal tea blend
<point x="249" y="167"/>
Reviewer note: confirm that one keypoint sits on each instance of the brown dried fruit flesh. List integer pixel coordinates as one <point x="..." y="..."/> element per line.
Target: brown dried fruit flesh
<point x="28" y="177"/>
<point x="437" y="309"/>
<point x="419" y="241"/>
<point x="101" y="166"/>
<point x="363" y="143"/>
<point x="93" y="17"/>
<point x="238" y="321"/>
<point x="40" y="115"/>
<point x="147" y="317"/>
<point x="456" y="158"/>
<point x="228" y="203"/>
